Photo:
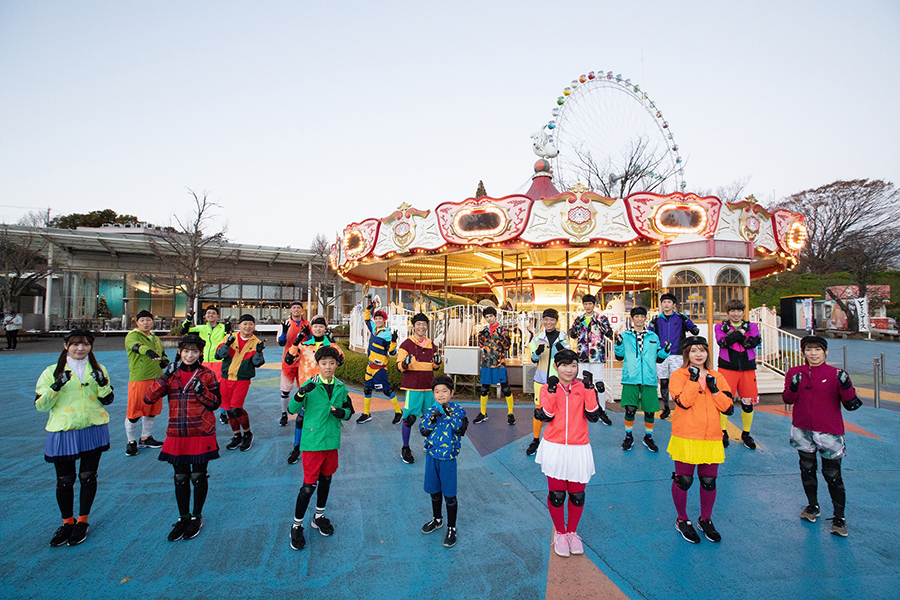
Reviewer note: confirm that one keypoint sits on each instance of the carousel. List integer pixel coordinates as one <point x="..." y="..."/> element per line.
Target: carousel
<point x="548" y="247"/>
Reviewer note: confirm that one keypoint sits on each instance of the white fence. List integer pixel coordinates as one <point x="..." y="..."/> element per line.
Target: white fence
<point x="778" y="350"/>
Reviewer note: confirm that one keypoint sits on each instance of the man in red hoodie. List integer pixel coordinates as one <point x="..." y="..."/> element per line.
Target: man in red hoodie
<point x="817" y="391"/>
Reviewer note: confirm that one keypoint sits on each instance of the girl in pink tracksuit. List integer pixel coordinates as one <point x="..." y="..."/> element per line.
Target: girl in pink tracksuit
<point x="565" y="454"/>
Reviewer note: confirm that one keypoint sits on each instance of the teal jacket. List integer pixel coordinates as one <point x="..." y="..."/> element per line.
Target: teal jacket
<point x="76" y="404"/>
<point x="639" y="368"/>
<point x="321" y="429"/>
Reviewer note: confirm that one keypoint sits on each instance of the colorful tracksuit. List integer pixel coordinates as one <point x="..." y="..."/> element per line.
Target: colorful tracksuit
<point x="495" y="343"/>
<point x="737" y="362"/>
<point x="639" y="351"/>
<point x="443" y="427"/>
<point x="382" y="343"/>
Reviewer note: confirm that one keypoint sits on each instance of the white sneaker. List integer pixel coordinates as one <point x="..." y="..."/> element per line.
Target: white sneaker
<point x="561" y="543"/>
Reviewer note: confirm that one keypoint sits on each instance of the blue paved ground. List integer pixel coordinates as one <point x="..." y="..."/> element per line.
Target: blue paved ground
<point x="377" y="505"/>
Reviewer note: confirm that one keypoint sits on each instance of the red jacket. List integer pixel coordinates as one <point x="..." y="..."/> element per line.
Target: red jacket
<point x="817" y="401"/>
<point x="569" y="425"/>
<point x="696" y="415"/>
<point x="190" y="414"/>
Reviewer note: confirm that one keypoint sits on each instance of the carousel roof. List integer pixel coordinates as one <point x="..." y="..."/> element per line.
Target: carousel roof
<point x="547" y="236"/>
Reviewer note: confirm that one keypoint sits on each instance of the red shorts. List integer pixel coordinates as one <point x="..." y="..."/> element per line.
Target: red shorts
<point x="742" y="384"/>
<point x="234" y="393"/>
<point x="216" y="368"/>
<point x="318" y="462"/>
<point x="136" y="405"/>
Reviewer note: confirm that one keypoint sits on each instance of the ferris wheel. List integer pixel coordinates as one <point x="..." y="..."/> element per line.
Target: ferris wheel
<point x="609" y="135"/>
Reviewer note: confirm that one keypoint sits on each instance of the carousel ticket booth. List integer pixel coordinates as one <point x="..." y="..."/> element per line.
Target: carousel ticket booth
<point x="524" y="253"/>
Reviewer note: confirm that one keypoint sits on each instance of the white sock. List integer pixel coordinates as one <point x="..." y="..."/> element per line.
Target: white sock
<point x="284" y="403"/>
<point x="130" y="431"/>
<point x="320" y="512"/>
<point x="146" y="427"/>
<point x="298" y="521"/>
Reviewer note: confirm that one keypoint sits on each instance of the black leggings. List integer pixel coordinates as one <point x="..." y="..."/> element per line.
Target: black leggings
<point x="65" y="483"/>
<point x="196" y="474"/>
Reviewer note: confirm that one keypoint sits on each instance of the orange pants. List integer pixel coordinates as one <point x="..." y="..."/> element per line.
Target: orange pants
<point x="742" y="384"/>
<point x="137" y="408"/>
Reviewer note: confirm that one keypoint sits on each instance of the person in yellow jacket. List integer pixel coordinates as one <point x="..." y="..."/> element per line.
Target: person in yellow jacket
<point x="74" y="391"/>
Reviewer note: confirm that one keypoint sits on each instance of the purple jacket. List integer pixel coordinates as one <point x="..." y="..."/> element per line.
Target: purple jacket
<point x="672" y="329"/>
<point x="737" y="346"/>
<point x="817" y="401"/>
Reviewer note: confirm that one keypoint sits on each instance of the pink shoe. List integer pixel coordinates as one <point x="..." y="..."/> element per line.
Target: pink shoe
<point x="561" y="543"/>
<point x="575" y="545"/>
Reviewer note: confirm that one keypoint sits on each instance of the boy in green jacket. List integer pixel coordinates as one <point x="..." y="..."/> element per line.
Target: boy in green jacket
<point x="326" y="405"/>
<point x="146" y="360"/>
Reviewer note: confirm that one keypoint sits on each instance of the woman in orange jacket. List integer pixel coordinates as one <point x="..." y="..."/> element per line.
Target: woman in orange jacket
<point x="700" y="394"/>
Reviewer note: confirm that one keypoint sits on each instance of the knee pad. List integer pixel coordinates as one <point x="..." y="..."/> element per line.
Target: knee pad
<point x="325" y="479"/>
<point x="649" y="417"/>
<point x="831" y="471"/>
<point x="505" y="389"/>
<point x="65" y="481"/>
<point x="630" y="411"/>
<point x="708" y="483"/>
<point x="306" y="491"/>
<point x="285" y="394"/>
<point x="451" y="500"/>
<point x="87" y="477"/>
<point x="437" y="496"/>
<point x="485" y="389"/>
<point x="182" y="478"/>
<point x="557" y="498"/>
<point x="199" y="478"/>
<point x="134" y="420"/>
<point x="747" y="408"/>
<point x="576" y="498"/>
<point x="388" y="392"/>
<point x="367" y="392"/>
<point x="235" y="413"/>
<point x="808" y="463"/>
<point x="600" y="387"/>
<point x="410" y="420"/>
<point x="684" y="482"/>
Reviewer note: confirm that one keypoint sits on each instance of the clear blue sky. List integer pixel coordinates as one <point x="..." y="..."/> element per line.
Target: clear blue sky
<point x="299" y="117"/>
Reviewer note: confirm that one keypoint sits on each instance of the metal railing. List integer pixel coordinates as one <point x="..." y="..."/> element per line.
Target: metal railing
<point x="778" y="350"/>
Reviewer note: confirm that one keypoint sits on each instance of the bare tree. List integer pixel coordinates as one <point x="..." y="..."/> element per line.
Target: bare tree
<point x="639" y="169"/>
<point x="845" y="220"/>
<point x="730" y="193"/>
<point x="868" y="252"/>
<point x="22" y="263"/>
<point x="187" y="247"/>
<point x="323" y="275"/>
<point x="39" y="219"/>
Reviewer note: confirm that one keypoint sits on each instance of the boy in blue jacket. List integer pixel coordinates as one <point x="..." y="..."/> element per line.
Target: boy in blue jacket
<point x="442" y="425"/>
<point x="640" y="351"/>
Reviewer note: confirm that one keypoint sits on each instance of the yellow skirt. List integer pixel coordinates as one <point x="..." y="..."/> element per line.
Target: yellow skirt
<point x="696" y="452"/>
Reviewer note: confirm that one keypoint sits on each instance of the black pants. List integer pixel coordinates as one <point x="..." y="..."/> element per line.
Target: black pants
<point x="65" y="482"/>
<point x="12" y="339"/>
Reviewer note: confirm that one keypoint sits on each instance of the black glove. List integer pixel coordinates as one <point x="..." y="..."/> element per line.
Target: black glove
<point x="189" y="315"/>
<point x="229" y="340"/>
<point x="853" y="403"/>
<point x="337" y="413"/>
<point x="619" y="339"/>
<point x="587" y="378"/>
<point x="795" y="382"/>
<point x="734" y="337"/>
<point x="695" y="330"/>
<point x="306" y="331"/>
<point x="437" y="359"/>
<point x="163" y="361"/>
<point x="261" y="345"/>
<point x="307" y="387"/>
<point x="172" y="368"/>
<point x="463" y="427"/>
<point x="729" y="412"/>
<point x="844" y="379"/>
<point x="289" y="358"/>
<point x="198" y="386"/>
<point x="106" y="400"/>
<point x="667" y="347"/>
<point x="711" y="384"/>
<point x="552" y="382"/>
<point x="694" y="373"/>
<point x="560" y="347"/>
<point x="370" y="306"/>
<point x="299" y="339"/>
<point x="433" y="417"/>
<point x="540" y="415"/>
<point x="447" y="410"/>
<point x="228" y="327"/>
<point x="408" y="360"/>
<point x="100" y="378"/>
<point x="394" y="337"/>
<point x="61" y="380"/>
<point x="592" y="417"/>
<point x="152" y="354"/>
<point x="540" y="350"/>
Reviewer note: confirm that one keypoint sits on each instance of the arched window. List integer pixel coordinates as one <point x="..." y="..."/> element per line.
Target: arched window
<point x="689" y="288"/>
<point x="729" y="284"/>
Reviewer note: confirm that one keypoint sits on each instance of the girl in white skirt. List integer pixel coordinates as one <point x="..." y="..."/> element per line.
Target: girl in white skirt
<point x="565" y="454"/>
